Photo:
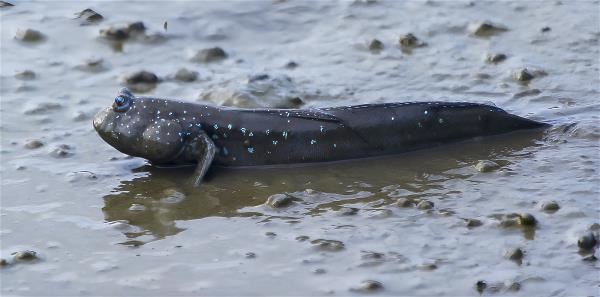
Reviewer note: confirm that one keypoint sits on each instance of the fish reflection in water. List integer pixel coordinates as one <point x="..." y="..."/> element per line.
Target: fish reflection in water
<point x="153" y="204"/>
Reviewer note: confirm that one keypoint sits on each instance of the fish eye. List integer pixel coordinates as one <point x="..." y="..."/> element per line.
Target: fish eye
<point x="121" y="104"/>
<point x="119" y="101"/>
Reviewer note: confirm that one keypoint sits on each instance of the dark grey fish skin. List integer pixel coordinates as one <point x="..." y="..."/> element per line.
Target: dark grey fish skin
<point x="171" y="131"/>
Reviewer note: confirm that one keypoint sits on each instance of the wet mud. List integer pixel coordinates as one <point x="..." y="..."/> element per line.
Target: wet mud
<point x="515" y="214"/>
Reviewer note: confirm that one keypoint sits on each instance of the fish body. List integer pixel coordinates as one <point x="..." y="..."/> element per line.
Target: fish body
<point x="172" y="131"/>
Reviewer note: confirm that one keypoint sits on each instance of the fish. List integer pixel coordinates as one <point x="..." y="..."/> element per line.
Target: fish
<point x="167" y="131"/>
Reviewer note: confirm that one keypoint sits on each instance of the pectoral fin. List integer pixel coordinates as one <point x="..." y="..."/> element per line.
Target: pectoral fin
<point x="206" y="154"/>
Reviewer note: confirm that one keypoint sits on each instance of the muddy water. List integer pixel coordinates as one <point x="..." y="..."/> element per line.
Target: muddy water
<point x="102" y="223"/>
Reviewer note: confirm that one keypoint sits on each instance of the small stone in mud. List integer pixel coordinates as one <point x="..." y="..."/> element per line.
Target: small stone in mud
<point x="186" y="75"/>
<point x="113" y="33"/>
<point x="258" y="77"/>
<point x="550" y="206"/>
<point x="379" y="213"/>
<point x="347" y="211"/>
<point x="25" y="75"/>
<point x="428" y="267"/>
<point x="29" y="35"/>
<point x="328" y="245"/>
<point x="250" y="255"/>
<point x="90" y="16"/>
<point x="33" y="144"/>
<point x="61" y="151"/>
<point x="92" y="65"/>
<point x="587" y="241"/>
<point x="279" y="200"/>
<point x="404" y="202"/>
<point x="425" y="204"/>
<point x="207" y="55"/>
<point x="523" y="75"/>
<point x="277" y="91"/>
<point x="515" y="254"/>
<point x="371" y="255"/>
<point x="25" y="256"/>
<point x="123" y="33"/>
<point x="527" y="219"/>
<point x="375" y="45"/>
<point x="532" y="92"/>
<point x="291" y="65"/>
<point x="367" y="286"/>
<point x="141" y="77"/>
<point x="471" y="223"/>
<point x="5" y="4"/>
<point x="546" y="29"/>
<point x="480" y="286"/>
<point x="302" y="238"/>
<point x="486" y="166"/>
<point x="410" y="41"/>
<point x="446" y="212"/>
<point x="495" y="58"/>
<point x="136" y="27"/>
<point x="487" y="29"/>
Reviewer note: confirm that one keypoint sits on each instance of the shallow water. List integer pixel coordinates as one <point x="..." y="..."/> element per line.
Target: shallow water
<point x="106" y="224"/>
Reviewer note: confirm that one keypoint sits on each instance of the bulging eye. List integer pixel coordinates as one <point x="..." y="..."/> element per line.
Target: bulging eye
<point x="121" y="104"/>
<point x="120" y="101"/>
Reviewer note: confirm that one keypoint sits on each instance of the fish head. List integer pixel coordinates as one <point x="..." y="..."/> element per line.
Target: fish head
<point x="138" y="127"/>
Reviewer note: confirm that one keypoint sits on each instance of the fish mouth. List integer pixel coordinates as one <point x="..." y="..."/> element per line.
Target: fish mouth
<point x="99" y="121"/>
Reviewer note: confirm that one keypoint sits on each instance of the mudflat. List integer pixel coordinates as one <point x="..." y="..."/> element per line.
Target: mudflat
<point x="514" y="214"/>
